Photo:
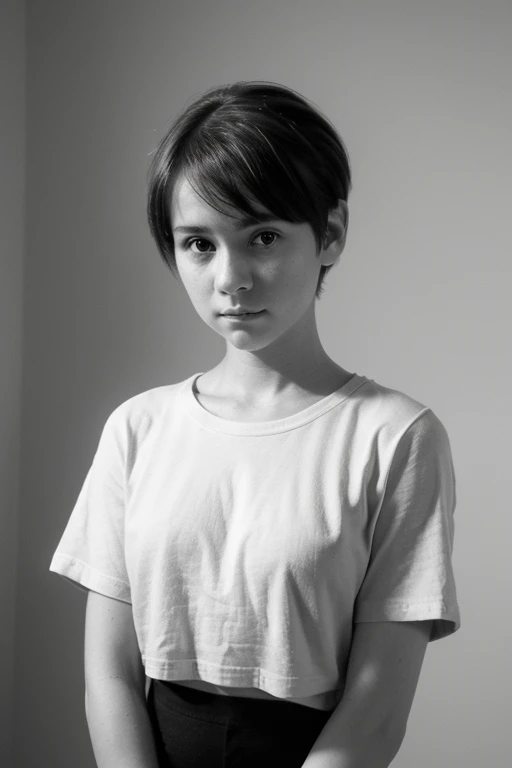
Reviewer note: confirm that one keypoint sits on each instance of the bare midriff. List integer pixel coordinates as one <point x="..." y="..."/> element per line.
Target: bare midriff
<point x="316" y="701"/>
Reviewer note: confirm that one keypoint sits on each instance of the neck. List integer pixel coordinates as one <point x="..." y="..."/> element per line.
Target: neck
<point x="300" y="364"/>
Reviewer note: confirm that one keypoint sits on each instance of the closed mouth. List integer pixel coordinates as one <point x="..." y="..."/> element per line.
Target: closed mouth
<point x="242" y="314"/>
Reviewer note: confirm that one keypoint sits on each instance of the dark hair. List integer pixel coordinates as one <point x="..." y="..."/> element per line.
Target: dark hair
<point x="251" y="141"/>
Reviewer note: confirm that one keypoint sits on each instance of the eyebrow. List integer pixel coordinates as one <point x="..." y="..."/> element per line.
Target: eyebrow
<point x="243" y="223"/>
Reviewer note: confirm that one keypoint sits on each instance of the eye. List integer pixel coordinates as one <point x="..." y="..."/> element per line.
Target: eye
<point x="268" y="238"/>
<point x="200" y="243"/>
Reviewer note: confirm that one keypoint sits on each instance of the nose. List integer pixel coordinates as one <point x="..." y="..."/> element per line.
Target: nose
<point x="232" y="271"/>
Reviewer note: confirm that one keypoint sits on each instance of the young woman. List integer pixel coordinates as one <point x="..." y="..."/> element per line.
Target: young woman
<point x="267" y="543"/>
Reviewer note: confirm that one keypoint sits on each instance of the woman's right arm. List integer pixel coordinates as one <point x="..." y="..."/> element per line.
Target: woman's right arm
<point x="115" y="702"/>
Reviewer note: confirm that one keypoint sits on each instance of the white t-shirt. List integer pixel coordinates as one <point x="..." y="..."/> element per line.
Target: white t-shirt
<point x="248" y="549"/>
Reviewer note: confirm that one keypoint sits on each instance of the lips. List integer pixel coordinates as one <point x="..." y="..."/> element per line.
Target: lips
<point x="238" y="314"/>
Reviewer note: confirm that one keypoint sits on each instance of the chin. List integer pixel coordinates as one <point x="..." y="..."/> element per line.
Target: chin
<point x="247" y="344"/>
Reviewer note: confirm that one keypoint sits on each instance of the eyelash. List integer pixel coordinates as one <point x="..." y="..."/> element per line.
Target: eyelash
<point x="192" y="240"/>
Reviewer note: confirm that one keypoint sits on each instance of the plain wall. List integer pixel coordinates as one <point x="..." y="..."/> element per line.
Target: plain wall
<point x="419" y="302"/>
<point x="12" y="185"/>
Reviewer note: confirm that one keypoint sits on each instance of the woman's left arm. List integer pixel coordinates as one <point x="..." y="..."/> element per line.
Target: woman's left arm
<point x="368" y="726"/>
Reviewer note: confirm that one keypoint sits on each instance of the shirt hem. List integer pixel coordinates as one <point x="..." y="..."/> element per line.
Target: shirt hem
<point x="281" y="686"/>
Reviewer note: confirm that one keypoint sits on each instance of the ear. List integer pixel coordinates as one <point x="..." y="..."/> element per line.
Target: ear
<point x="336" y="234"/>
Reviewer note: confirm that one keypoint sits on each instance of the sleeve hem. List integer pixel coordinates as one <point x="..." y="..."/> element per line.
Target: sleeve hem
<point x="85" y="577"/>
<point x="446" y="617"/>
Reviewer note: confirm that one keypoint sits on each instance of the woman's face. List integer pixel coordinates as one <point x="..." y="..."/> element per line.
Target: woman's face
<point x="228" y="264"/>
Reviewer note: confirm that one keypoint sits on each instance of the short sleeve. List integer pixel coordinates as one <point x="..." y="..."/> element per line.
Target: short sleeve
<point x="410" y="574"/>
<point x="90" y="553"/>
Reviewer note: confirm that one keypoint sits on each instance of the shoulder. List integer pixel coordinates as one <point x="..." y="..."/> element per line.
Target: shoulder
<point x="154" y="408"/>
<point x="384" y="405"/>
<point x="391" y="416"/>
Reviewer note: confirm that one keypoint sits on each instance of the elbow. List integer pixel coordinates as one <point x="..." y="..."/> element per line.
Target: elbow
<point x="377" y="748"/>
<point x="86" y="705"/>
<point x="390" y="731"/>
<point x="380" y="742"/>
<point x="391" y="741"/>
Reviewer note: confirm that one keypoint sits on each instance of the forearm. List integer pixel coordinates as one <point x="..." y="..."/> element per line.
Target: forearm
<point x="367" y="727"/>
<point x="346" y="743"/>
<point x="119" y="725"/>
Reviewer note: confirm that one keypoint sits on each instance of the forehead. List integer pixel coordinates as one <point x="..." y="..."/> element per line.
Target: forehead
<point x="188" y="208"/>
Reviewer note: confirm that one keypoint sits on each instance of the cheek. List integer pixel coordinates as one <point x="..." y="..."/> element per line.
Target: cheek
<point x="198" y="296"/>
<point x="192" y="283"/>
<point x="299" y="277"/>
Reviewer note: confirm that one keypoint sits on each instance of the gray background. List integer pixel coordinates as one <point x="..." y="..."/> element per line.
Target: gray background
<point x="420" y="91"/>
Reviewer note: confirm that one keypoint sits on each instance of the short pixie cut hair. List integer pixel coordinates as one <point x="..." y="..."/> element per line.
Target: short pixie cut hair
<point x="250" y="141"/>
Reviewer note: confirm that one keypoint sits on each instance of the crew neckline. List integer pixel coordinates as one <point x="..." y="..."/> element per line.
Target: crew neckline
<point x="259" y="428"/>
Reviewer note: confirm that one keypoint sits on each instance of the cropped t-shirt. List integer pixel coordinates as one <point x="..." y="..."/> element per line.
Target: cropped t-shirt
<point x="248" y="550"/>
